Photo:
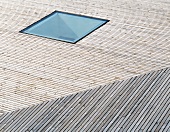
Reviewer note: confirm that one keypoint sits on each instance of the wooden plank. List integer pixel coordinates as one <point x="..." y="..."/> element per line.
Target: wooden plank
<point x="134" y="104"/>
<point x="34" y="70"/>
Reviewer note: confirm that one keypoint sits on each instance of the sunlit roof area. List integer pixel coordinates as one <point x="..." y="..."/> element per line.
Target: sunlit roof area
<point x="106" y="70"/>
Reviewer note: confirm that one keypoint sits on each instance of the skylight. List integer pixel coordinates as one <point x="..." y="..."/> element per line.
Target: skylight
<point x="64" y="26"/>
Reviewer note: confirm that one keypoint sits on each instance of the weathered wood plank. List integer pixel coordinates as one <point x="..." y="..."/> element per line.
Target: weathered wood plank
<point x="140" y="103"/>
<point x="33" y="69"/>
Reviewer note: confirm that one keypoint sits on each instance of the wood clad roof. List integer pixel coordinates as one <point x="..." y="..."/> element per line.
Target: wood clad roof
<point x="141" y="103"/>
<point x="34" y="69"/>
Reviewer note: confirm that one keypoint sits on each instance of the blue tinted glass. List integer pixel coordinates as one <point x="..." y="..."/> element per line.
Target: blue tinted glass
<point x="64" y="26"/>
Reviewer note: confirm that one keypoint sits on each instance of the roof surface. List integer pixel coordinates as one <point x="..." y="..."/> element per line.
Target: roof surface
<point x="134" y="42"/>
<point x="140" y="103"/>
<point x="34" y="69"/>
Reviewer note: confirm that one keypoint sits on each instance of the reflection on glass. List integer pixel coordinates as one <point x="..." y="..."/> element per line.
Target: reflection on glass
<point x="64" y="26"/>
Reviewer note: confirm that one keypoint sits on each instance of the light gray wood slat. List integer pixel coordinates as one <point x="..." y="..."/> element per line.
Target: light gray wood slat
<point x="158" y="123"/>
<point x="150" y="123"/>
<point x="20" y="115"/>
<point x="167" y="128"/>
<point x="6" y="116"/>
<point x="145" y="100"/>
<point x="71" y="110"/>
<point x="166" y="121"/>
<point x="160" y="115"/>
<point x="99" y="109"/>
<point x="156" y="95"/>
<point x="24" y="115"/>
<point x="17" y="118"/>
<point x="133" y="104"/>
<point x="50" y="114"/>
<point x="14" y="118"/>
<point x="9" y="120"/>
<point x="99" y="98"/>
<point x="143" y="110"/>
<point x="131" y="109"/>
<point x="84" y="110"/>
<point x="64" y="114"/>
<point x="32" y="118"/>
<point x="115" y="126"/>
<point x="135" y="100"/>
<point x="113" y="103"/>
<point x="127" y="101"/>
<point x="43" y="116"/>
<point x="127" y="122"/>
<point x="59" y="116"/>
<point x="89" y="112"/>
<point x="103" y="112"/>
<point x="114" y="110"/>
<point x="100" y="119"/>
<point x="152" y="120"/>
<point x="113" y="116"/>
<point x="125" y="106"/>
<point x="109" y="104"/>
<point x="53" y="114"/>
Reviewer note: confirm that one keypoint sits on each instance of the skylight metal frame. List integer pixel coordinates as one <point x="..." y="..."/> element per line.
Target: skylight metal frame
<point x="56" y="11"/>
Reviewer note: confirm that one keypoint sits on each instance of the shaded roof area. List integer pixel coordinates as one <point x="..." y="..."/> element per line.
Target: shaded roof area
<point x="140" y="103"/>
<point x="33" y="69"/>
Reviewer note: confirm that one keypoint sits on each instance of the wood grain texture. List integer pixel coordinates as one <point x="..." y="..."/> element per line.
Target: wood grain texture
<point x="33" y="69"/>
<point x="141" y="103"/>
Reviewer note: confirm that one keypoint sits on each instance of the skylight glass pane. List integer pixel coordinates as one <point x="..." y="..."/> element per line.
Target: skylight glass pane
<point x="64" y="26"/>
